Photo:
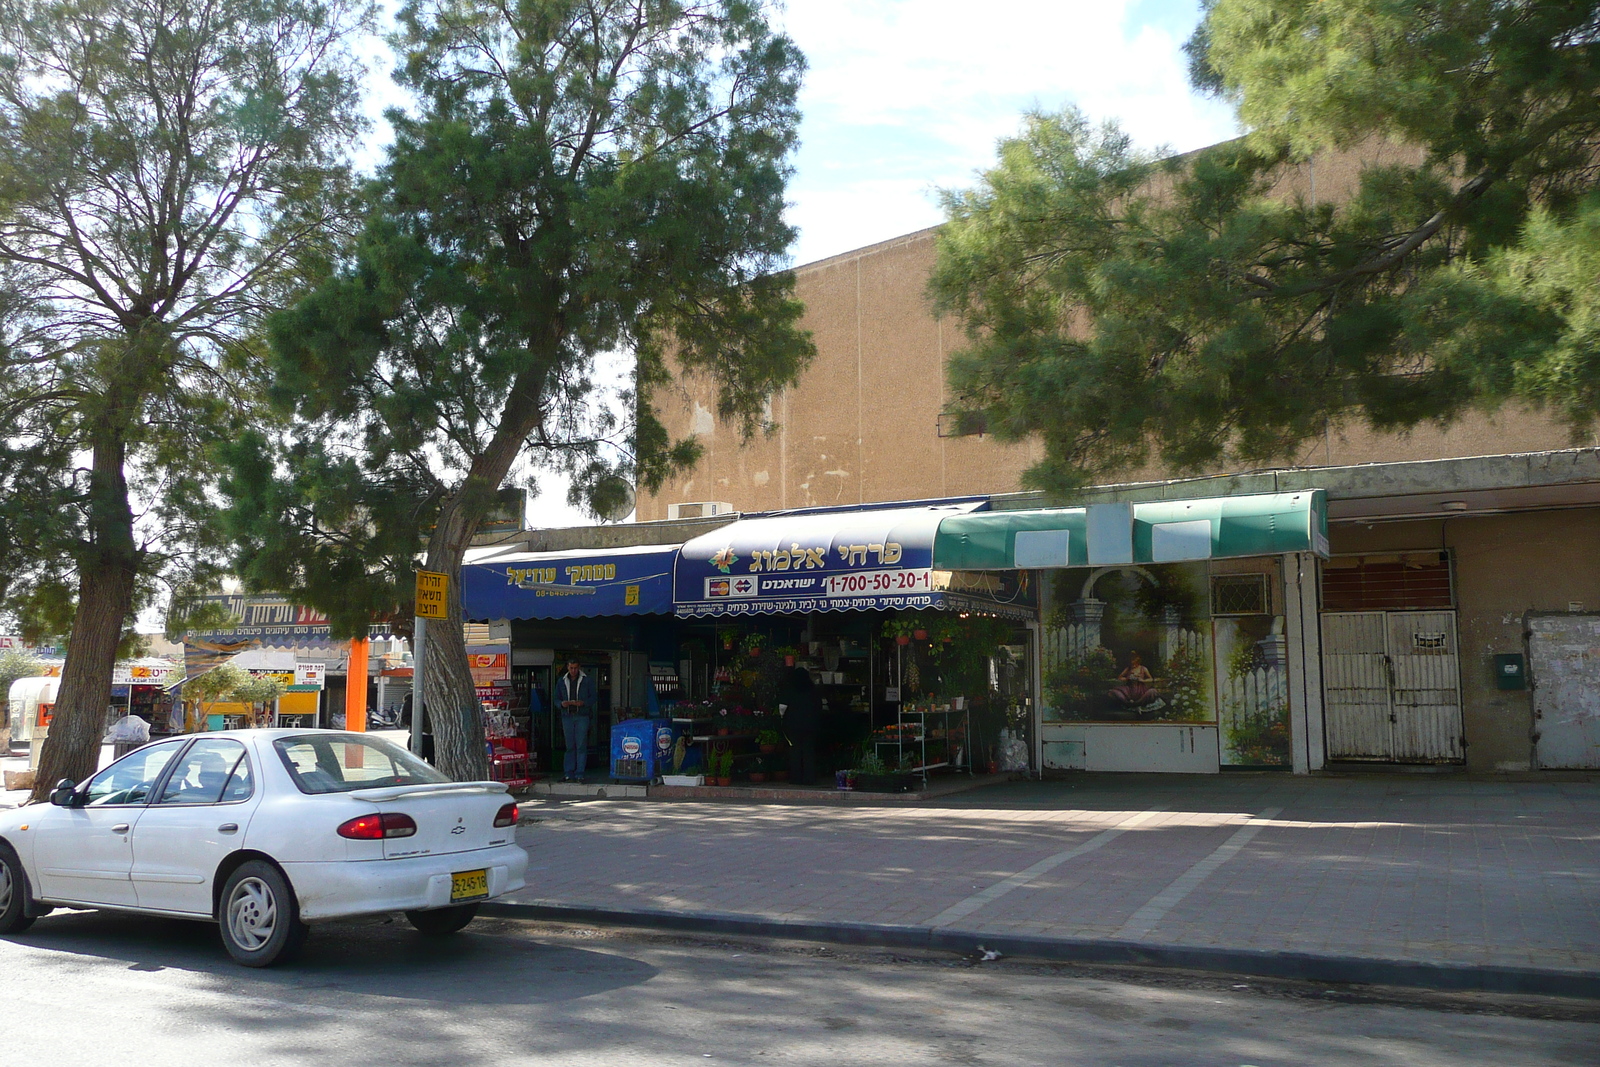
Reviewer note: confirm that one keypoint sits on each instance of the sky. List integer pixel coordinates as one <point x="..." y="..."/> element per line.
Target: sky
<point x="905" y="97"/>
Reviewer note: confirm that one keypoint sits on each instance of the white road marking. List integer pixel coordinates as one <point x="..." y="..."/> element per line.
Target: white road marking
<point x="1144" y="920"/>
<point x="962" y="908"/>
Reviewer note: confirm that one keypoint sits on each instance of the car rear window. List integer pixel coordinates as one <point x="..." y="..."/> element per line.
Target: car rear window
<point x="339" y="763"/>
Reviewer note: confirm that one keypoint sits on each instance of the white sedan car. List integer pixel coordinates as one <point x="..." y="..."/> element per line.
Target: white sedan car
<point x="264" y="831"/>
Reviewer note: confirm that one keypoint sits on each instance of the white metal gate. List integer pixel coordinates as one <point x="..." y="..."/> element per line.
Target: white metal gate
<point x="1392" y="688"/>
<point x="1564" y="662"/>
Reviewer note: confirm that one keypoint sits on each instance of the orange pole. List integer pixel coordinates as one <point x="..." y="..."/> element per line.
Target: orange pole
<point x="355" y="687"/>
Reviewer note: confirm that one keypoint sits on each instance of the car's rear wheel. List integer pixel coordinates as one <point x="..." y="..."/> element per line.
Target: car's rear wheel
<point x="441" y="921"/>
<point x="259" y="917"/>
<point x="14" y="917"/>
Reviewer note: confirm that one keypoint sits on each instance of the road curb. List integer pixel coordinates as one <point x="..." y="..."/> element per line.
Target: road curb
<point x="1304" y="966"/>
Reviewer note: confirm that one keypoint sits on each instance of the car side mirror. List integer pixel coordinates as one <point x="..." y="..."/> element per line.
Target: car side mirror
<point x="65" y="794"/>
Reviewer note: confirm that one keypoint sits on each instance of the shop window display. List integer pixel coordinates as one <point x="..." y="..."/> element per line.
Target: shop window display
<point x="1252" y="690"/>
<point x="1170" y="643"/>
<point x="1129" y="644"/>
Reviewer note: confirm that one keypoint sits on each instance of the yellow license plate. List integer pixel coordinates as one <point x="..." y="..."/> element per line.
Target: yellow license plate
<point x="468" y="885"/>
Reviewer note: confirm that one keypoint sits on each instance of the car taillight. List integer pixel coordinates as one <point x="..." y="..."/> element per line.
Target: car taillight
<point x="506" y="816"/>
<point x="378" y="827"/>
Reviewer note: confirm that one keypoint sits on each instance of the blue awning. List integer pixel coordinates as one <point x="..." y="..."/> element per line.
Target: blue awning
<point x="815" y="561"/>
<point x="570" y="585"/>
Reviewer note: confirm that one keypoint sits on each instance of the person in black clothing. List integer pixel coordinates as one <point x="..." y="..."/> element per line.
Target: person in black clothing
<point x="427" y="728"/>
<point x="801" y="719"/>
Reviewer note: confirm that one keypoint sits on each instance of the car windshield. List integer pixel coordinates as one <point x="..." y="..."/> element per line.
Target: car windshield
<point x="339" y="763"/>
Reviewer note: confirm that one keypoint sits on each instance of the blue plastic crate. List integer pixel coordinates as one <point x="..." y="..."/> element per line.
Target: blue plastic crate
<point x="641" y="749"/>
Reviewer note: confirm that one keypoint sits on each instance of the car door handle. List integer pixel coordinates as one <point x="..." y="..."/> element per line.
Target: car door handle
<point x="228" y="828"/>
<point x="120" y="828"/>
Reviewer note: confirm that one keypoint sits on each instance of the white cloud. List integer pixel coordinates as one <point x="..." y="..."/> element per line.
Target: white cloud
<point x="905" y="96"/>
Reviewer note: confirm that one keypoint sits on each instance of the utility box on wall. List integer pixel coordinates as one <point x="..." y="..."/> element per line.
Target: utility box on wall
<point x="1510" y="671"/>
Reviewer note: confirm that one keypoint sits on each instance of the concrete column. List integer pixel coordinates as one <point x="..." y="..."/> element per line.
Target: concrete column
<point x="1088" y="613"/>
<point x="1303" y="651"/>
<point x="1171" y="626"/>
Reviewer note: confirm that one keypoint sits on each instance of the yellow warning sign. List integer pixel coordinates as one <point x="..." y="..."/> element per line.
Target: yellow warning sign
<point x="433" y="595"/>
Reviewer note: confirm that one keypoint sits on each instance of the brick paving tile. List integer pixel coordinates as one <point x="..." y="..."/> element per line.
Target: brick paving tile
<point x="1449" y="869"/>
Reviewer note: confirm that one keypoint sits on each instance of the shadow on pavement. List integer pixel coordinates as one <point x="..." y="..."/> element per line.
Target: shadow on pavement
<point x="369" y="957"/>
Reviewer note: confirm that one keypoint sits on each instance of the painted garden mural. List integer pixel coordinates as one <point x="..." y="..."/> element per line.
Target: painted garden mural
<point x="1146" y="644"/>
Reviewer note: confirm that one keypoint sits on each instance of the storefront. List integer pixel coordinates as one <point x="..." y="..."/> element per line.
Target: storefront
<point x="916" y="668"/>
<point x="138" y="687"/>
<point x="299" y="642"/>
<point x="611" y="609"/>
<point x="1159" y="636"/>
<point x="1174" y="634"/>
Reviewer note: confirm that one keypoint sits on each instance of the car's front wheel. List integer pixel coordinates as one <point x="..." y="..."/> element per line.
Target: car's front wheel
<point x="259" y="917"/>
<point x="14" y="917"/>
<point x="440" y="921"/>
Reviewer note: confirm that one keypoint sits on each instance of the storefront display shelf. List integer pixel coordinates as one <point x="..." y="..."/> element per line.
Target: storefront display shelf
<point x="913" y="729"/>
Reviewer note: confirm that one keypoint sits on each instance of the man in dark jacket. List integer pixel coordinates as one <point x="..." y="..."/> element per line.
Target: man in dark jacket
<point x="801" y="720"/>
<point x="575" y="699"/>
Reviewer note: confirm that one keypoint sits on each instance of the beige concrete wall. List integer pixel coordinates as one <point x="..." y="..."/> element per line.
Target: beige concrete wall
<point x="1505" y="565"/>
<point x="862" y="423"/>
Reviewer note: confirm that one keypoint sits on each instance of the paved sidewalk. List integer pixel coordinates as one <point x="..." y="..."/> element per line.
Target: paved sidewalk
<point x="10" y="798"/>
<point x="1433" y="870"/>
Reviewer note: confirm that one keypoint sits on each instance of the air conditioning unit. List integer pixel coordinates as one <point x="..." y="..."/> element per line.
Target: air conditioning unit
<point x="699" y="509"/>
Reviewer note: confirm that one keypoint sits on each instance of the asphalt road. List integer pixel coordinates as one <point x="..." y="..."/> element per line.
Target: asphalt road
<point x="106" y="989"/>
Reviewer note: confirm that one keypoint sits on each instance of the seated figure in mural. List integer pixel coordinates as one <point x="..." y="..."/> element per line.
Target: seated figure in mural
<point x="1135" y="685"/>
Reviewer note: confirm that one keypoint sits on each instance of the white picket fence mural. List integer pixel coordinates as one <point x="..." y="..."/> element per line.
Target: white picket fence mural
<point x="1255" y="691"/>
<point x="1071" y="642"/>
<point x="1067" y="643"/>
<point x="1187" y="640"/>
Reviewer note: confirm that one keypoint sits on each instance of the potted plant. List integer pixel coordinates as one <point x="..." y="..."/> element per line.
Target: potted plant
<point x="872" y="775"/>
<point x="683" y="779"/>
<point x="899" y="629"/>
<point x="722" y="765"/>
<point x="769" y="741"/>
<point x="788" y="652"/>
<point x="752" y="645"/>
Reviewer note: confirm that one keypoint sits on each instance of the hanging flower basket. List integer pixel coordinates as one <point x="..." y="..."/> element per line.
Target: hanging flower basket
<point x="902" y="639"/>
<point x="920" y="635"/>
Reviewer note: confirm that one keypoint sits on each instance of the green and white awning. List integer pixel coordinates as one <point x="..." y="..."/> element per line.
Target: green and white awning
<point x="1164" y="531"/>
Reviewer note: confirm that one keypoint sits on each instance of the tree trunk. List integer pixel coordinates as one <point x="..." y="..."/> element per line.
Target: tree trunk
<point x="107" y="569"/>
<point x="459" y="744"/>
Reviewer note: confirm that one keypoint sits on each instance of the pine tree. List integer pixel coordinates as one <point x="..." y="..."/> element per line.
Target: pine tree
<point x="169" y="171"/>
<point x="576" y="179"/>
<point x="1124" y="308"/>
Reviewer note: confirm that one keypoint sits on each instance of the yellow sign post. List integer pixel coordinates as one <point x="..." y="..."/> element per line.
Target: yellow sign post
<point x="433" y="594"/>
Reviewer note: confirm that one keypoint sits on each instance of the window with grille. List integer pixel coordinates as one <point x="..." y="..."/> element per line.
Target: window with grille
<point x="1410" y="580"/>
<point x="1239" y="594"/>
